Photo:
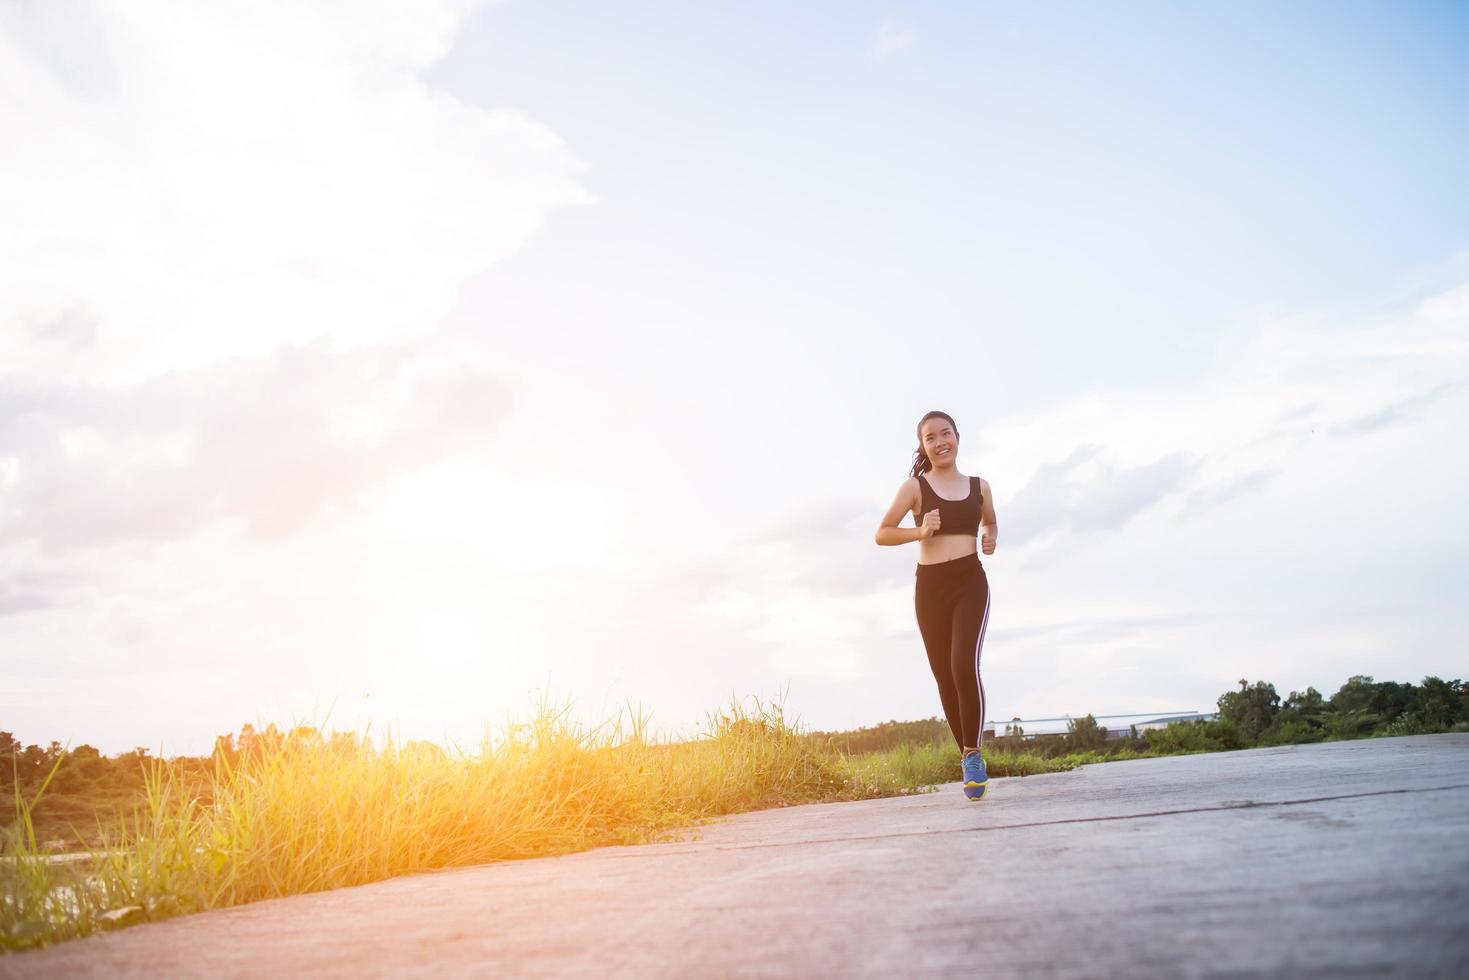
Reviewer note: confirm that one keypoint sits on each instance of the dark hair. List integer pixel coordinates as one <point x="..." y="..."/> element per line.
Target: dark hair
<point x="921" y="462"/>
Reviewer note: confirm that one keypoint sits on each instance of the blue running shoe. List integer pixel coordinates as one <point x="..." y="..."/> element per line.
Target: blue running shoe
<point x="975" y="776"/>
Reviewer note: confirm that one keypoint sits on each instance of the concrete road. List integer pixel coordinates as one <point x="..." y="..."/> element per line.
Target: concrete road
<point x="1343" y="860"/>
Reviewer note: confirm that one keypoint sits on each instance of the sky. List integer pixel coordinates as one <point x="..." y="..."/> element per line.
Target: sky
<point x="397" y="365"/>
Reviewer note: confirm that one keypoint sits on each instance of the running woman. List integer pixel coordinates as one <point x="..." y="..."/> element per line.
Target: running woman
<point x="951" y="594"/>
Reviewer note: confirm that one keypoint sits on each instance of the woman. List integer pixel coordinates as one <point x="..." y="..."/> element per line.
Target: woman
<point x="951" y="594"/>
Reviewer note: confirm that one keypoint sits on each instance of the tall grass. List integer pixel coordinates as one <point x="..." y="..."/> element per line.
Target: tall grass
<point x="315" y="812"/>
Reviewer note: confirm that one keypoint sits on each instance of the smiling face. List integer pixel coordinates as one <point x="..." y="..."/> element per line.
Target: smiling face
<point x="940" y="442"/>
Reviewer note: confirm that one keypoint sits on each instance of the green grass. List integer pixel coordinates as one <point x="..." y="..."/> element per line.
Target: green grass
<point x="314" y="811"/>
<point x="908" y="768"/>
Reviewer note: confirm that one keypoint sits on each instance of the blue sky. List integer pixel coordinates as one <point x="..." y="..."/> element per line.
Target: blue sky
<point x="474" y="348"/>
<point x="1088" y="178"/>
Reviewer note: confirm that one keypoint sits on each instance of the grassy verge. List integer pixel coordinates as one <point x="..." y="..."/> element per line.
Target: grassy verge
<point x="315" y="812"/>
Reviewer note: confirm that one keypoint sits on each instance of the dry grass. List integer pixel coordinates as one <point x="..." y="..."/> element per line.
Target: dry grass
<point x="317" y="812"/>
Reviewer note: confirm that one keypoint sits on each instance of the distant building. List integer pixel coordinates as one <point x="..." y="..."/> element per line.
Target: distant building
<point x="1153" y="724"/>
<point x="1117" y="726"/>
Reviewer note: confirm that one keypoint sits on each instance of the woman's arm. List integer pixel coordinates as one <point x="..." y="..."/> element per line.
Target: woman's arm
<point x="888" y="532"/>
<point x="987" y="528"/>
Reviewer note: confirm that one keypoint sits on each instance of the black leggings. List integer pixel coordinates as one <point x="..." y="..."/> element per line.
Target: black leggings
<point x="952" y="600"/>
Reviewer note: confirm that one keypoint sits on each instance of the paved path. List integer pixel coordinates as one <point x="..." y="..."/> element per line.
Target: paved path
<point x="1343" y="860"/>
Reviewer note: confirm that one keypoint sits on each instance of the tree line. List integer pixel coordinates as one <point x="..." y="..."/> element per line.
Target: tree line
<point x="82" y="784"/>
<point x="1256" y="715"/>
<point x="1360" y="708"/>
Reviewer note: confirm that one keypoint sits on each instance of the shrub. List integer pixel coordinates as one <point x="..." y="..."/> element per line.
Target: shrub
<point x="1084" y="735"/>
<point x="1195" y="736"/>
<point x="1292" y="731"/>
<point x="1251" y="709"/>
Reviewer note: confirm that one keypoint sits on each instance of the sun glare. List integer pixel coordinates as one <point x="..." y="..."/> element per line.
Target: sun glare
<point x="471" y="514"/>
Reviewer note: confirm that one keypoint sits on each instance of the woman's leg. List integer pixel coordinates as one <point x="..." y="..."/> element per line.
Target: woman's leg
<point x="966" y="643"/>
<point x="933" y="604"/>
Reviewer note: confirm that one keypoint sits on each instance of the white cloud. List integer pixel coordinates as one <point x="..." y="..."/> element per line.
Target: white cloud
<point x="271" y="442"/>
<point x="1278" y="383"/>
<point x="230" y="233"/>
<point x="182" y="181"/>
<point x="892" y="43"/>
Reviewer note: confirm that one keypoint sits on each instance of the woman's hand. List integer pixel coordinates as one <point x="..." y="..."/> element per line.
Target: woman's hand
<point x="988" y="525"/>
<point x="930" y="525"/>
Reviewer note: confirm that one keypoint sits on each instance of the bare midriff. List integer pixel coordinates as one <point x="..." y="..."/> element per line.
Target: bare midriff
<point x="943" y="547"/>
<point x="946" y="547"/>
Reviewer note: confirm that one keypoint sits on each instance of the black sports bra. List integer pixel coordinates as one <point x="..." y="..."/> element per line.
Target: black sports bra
<point x="955" y="516"/>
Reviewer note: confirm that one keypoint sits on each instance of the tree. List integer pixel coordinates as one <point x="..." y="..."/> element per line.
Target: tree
<point x="1301" y="719"/>
<point x="1250" y="708"/>
<point x="1442" y="703"/>
<point x="1362" y="706"/>
<point x="1084" y="734"/>
<point x="1308" y="705"/>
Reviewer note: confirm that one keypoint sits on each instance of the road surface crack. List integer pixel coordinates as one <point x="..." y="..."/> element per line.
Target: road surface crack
<point x="1231" y="805"/>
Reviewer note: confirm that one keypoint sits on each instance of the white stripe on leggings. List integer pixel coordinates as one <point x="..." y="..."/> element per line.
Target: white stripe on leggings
<point x="978" y="644"/>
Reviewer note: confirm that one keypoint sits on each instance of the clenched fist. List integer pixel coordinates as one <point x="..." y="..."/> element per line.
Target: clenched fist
<point x="987" y="539"/>
<point x="930" y="525"/>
